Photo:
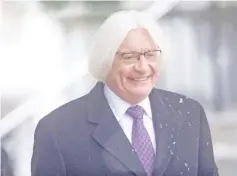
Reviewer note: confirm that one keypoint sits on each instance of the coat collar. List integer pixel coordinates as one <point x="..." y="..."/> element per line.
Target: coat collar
<point x="110" y="136"/>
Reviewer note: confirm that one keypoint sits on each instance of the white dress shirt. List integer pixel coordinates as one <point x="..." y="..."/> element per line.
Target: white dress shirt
<point x="119" y="108"/>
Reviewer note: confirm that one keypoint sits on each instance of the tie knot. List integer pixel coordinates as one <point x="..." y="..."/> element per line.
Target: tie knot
<point x="136" y="112"/>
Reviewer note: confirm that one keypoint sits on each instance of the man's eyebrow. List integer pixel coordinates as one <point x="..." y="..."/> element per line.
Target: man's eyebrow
<point x="129" y="51"/>
<point x="136" y="51"/>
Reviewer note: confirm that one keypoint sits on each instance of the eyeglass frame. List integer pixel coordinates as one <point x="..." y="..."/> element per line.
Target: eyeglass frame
<point x="140" y="53"/>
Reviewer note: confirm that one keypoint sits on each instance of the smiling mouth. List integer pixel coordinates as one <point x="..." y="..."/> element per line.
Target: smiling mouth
<point x="140" y="79"/>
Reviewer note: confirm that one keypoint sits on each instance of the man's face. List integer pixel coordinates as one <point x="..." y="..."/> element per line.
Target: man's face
<point x="133" y="76"/>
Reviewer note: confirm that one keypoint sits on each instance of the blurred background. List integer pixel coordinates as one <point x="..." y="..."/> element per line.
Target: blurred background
<point x="44" y="47"/>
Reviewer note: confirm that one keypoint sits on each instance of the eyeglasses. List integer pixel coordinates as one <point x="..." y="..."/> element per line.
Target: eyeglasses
<point x="132" y="57"/>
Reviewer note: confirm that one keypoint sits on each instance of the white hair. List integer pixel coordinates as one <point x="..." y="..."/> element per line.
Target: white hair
<point x="112" y="33"/>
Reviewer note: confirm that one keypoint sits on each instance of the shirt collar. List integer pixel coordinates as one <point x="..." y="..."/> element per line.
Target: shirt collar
<point x="119" y="106"/>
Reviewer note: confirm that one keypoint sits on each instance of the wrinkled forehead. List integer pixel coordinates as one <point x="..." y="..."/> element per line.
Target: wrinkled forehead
<point x="138" y="39"/>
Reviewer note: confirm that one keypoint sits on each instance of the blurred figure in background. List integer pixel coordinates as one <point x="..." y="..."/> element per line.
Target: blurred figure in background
<point x="6" y="169"/>
<point x="125" y="126"/>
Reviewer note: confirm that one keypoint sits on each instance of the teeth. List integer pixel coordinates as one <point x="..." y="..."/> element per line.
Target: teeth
<point x="140" y="79"/>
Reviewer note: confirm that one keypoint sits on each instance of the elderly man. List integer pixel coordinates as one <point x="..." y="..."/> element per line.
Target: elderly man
<point x="124" y="126"/>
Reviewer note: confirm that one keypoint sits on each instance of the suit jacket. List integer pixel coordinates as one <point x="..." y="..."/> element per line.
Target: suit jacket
<point x="83" y="138"/>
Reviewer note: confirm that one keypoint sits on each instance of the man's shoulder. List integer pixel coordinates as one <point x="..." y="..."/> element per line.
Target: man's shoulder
<point x="172" y="97"/>
<point x="66" y="113"/>
<point x="183" y="106"/>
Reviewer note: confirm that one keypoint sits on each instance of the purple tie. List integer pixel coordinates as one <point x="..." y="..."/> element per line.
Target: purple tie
<point x="141" y="141"/>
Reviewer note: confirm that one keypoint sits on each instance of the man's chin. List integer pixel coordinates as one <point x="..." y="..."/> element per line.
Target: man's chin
<point x="141" y="92"/>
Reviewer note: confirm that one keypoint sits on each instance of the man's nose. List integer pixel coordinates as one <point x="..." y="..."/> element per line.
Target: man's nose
<point x="142" y="64"/>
